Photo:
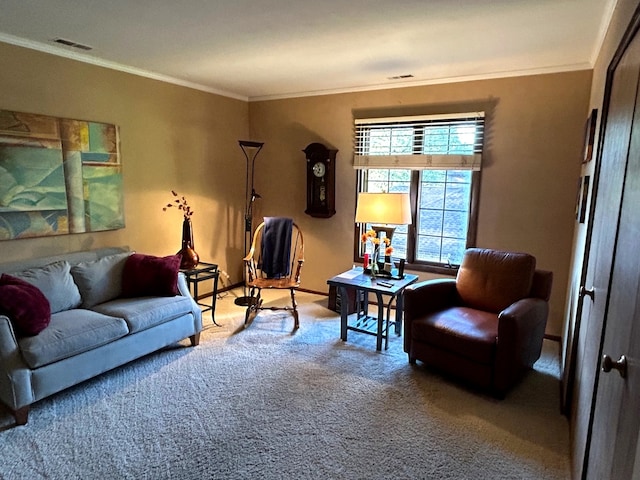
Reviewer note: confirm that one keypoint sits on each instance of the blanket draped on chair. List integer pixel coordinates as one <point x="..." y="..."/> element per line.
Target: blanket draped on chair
<point x="276" y="246"/>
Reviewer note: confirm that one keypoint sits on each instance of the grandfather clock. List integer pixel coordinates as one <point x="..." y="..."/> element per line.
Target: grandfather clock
<point x="321" y="180"/>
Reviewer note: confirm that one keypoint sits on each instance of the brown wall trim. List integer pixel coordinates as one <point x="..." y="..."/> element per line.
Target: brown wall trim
<point x="239" y="285"/>
<point x="553" y="338"/>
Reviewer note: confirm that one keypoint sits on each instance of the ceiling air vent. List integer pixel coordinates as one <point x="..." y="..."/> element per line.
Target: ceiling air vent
<point x="400" y="77"/>
<point x="69" y="43"/>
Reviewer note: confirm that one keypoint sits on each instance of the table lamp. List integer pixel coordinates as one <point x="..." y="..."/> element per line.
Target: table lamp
<point x="383" y="211"/>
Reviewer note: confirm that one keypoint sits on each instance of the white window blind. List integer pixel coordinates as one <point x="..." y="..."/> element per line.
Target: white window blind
<point x="435" y="142"/>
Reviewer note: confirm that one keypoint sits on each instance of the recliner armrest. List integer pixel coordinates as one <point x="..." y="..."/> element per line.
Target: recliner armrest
<point x="521" y="329"/>
<point x="425" y="297"/>
<point x="522" y="318"/>
<point x="429" y="296"/>
<point x="525" y="311"/>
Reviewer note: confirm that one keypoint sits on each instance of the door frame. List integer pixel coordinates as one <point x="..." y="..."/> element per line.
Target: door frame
<point x="568" y="374"/>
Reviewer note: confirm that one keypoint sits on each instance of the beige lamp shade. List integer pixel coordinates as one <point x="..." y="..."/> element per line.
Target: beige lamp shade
<point x="384" y="208"/>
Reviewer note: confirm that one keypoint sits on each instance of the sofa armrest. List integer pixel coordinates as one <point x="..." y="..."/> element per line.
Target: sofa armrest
<point x="8" y="340"/>
<point x="521" y="329"/>
<point x="183" y="288"/>
<point x="15" y="376"/>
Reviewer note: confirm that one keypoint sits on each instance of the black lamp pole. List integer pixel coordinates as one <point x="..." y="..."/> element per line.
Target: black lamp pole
<point x="250" y="150"/>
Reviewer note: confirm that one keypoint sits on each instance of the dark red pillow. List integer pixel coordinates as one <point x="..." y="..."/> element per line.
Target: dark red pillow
<point x="149" y="276"/>
<point x="25" y="305"/>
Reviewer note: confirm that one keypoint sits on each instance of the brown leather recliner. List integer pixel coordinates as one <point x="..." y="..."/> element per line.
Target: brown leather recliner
<point x="484" y="327"/>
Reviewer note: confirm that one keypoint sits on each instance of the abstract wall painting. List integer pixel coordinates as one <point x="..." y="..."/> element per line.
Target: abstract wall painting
<point x="58" y="176"/>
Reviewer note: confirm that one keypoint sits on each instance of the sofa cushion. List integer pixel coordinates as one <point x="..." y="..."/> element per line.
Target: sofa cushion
<point x="56" y="283"/>
<point x="146" y="312"/>
<point x="99" y="280"/>
<point x="25" y="305"/>
<point x="464" y="331"/>
<point x="71" y="332"/>
<point x="146" y="275"/>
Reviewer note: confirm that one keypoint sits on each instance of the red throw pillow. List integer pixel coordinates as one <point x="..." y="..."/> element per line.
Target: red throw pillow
<point x="149" y="276"/>
<point x="25" y="305"/>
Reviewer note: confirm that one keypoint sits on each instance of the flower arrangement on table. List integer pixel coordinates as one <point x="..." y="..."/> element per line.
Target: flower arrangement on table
<point x="378" y="245"/>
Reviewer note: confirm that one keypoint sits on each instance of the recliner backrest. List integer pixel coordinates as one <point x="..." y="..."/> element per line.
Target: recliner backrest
<point x="491" y="280"/>
<point x="542" y="283"/>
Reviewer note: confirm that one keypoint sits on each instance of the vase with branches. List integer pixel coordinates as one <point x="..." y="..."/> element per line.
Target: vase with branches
<point x="189" y="257"/>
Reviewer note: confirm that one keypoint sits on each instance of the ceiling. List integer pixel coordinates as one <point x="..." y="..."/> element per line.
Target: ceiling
<point x="261" y="49"/>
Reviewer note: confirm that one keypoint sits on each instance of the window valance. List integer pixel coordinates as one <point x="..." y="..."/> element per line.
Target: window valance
<point x="437" y="142"/>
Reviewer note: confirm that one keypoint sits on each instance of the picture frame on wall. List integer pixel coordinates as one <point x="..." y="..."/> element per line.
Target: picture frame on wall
<point x="589" y="136"/>
<point x="583" y="199"/>
<point x="578" y="192"/>
<point x="58" y="176"/>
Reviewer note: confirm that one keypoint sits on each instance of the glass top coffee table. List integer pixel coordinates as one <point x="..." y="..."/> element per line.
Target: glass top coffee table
<point x="364" y="284"/>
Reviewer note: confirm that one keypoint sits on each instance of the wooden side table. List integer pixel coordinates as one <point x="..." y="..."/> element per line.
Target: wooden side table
<point x="200" y="273"/>
<point x="362" y="321"/>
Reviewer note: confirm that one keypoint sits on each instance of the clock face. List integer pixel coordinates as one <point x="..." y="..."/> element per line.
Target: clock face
<point x="318" y="169"/>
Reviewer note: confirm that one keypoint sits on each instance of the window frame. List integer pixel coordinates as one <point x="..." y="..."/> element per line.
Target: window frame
<point x="412" y="234"/>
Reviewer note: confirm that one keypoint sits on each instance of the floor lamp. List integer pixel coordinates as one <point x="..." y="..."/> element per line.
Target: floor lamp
<point x="250" y="150"/>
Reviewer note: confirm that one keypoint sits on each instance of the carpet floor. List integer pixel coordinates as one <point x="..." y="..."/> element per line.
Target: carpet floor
<point x="265" y="402"/>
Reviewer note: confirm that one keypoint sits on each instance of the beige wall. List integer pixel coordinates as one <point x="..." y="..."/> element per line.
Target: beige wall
<point x="178" y="138"/>
<point x="535" y="128"/>
<point x="171" y="138"/>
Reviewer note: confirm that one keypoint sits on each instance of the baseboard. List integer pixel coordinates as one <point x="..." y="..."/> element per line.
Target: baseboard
<point x="547" y="336"/>
<point x="240" y="284"/>
<point x="553" y="338"/>
<point x="228" y="287"/>
<point x="315" y="292"/>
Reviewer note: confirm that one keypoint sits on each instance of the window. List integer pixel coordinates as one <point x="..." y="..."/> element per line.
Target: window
<point x="437" y="161"/>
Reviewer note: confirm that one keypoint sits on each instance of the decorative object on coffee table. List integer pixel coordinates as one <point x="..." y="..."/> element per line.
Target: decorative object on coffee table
<point x="190" y="258"/>
<point x="377" y="251"/>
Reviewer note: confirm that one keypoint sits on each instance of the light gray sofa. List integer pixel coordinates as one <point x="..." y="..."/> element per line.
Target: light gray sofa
<point x="92" y="329"/>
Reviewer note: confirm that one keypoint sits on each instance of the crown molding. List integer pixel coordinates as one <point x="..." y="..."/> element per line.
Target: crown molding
<point x="604" y="27"/>
<point x="63" y="52"/>
<point x="80" y="57"/>
<point x="433" y="81"/>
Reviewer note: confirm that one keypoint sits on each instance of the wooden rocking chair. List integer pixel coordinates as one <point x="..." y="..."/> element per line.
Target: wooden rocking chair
<point x="257" y="278"/>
